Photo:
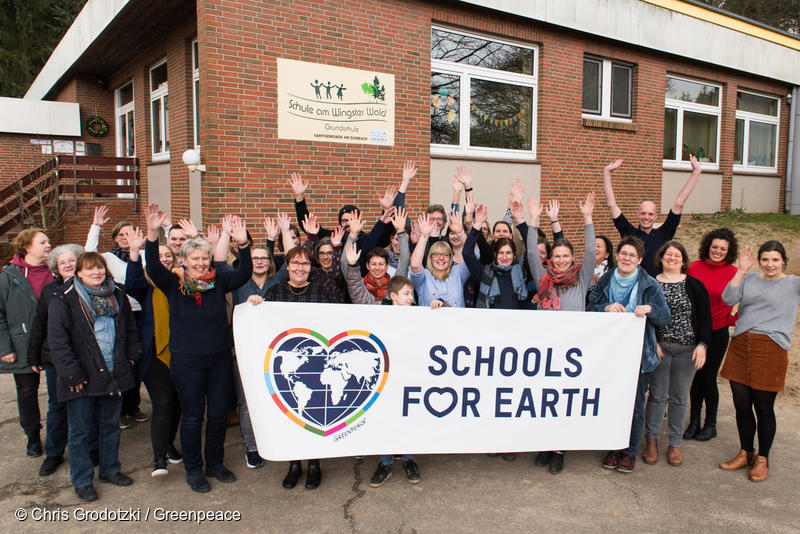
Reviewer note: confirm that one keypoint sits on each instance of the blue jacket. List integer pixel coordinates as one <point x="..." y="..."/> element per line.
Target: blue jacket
<point x="649" y="292"/>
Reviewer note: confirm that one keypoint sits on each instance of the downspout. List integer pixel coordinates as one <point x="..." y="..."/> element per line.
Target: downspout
<point x="792" y="195"/>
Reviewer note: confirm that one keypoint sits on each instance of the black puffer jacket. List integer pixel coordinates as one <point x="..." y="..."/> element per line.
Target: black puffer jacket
<point x="76" y="354"/>
<point x="38" y="349"/>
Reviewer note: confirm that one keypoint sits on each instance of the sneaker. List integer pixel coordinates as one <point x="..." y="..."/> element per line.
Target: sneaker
<point x="50" y="465"/>
<point x="159" y="467"/>
<point x="382" y="474"/>
<point x="254" y="461"/>
<point x="412" y="471"/>
<point x="611" y="460"/>
<point x="626" y="463"/>
<point x="174" y="456"/>
<point x="126" y="421"/>
<point x="139" y="416"/>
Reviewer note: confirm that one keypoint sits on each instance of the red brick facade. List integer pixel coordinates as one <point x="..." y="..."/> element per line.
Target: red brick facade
<point x="248" y="166"/>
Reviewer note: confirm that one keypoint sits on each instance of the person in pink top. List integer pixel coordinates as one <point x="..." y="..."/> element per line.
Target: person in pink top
<point x="718" y="251"/>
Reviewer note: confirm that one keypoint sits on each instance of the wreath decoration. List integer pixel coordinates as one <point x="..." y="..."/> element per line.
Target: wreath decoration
<point x="96" y="126"/>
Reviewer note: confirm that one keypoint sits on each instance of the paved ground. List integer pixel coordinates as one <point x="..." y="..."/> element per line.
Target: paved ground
<point x="467" y="493"/>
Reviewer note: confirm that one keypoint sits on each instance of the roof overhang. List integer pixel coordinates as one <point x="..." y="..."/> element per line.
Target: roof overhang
<point x="39" y="117"/>
<point x="672" y="26"/>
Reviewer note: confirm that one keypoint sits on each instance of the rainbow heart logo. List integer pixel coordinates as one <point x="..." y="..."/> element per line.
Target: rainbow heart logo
<point x="325" y="385"/>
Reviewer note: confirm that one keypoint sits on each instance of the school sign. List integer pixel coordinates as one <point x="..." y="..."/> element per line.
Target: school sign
<point x="343" y="380"/>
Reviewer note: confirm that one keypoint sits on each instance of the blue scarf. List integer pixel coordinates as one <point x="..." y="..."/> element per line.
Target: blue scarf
<point x="490" y="288"/>
<point x="624" y="289"/>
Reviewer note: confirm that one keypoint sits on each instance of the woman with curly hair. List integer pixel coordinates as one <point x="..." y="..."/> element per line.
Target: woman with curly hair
<point x="718" y="250"/>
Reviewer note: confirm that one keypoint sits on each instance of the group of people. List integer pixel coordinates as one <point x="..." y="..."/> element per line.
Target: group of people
<point x="157" y="307"/>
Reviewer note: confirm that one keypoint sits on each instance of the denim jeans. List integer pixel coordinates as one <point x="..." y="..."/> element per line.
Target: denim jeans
<point x="200" y="380"/>
<point x="166" y="410"/>
<point x="28" y="402"/>
<point x="638" y="414"/>
<point x="671" y="380"/>
<point x="57" y="427"/>
<point x="388" y="459"/>
<point x="81" y="413"/>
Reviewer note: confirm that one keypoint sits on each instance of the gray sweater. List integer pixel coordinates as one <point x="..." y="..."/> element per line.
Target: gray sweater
<point x="766" y="306"/>
<point x="574" y="297"/>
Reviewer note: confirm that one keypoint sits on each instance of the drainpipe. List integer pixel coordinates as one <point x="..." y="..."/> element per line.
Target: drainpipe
<point x="792" y="195"/>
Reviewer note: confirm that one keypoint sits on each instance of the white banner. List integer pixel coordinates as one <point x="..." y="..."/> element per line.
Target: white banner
<point x="326" y="380"/>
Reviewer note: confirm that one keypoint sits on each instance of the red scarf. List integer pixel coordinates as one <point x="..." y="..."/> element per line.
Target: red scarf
<point x="552" y="283"/>
<point x="378" y="286"/>
<point x="38" y="275"/>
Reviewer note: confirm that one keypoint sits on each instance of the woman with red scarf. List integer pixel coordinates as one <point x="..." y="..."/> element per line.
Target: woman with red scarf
<point x="563" y="284"/>
<point x="21" y="283"/>
<point x="718" y="250"/>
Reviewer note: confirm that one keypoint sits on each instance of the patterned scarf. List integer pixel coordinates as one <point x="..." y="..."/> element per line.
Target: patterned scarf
<point x="195" y="287"/>
<point x="97" y="302"/>
<point x="489" y="288"/>
<point x="553" y="283"/>
<point x="121" y="253"/>
<point x="394" y="259"/>
<point x="377" y="286"/>
<point x="624" y="289"/>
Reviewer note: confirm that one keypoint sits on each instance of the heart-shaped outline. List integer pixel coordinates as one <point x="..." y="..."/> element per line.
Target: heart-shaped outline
<point x="327" y="343"/>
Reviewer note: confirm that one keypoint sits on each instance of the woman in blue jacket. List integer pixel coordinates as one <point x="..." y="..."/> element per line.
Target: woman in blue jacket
<point x="628" y="288"/>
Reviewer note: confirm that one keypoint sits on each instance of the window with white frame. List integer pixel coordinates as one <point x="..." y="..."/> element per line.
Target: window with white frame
<point x="691" y="121"/>
<point x="196" y="91"/>
<point x="756" y="138"/>
<point x="483" y="96"/>
<point x="126" y="145"/>
<point x="159" y="112"/>
<point x="607" y="89"/>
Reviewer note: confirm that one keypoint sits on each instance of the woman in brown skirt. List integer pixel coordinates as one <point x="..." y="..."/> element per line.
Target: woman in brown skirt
<point x="758" y="355"/>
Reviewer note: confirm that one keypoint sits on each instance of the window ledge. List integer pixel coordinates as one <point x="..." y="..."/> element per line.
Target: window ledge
<point x="739" y="171"/>
<point x="608" y="124"/>
<point x="158" y="160"/>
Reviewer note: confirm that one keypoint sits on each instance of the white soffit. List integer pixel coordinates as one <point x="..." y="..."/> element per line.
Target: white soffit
<point x="88" y="25"/>
<point x="642" y="23"/>
<point x="39" y="117"/>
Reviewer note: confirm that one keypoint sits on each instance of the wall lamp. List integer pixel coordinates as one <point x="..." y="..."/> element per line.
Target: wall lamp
<point x="192" y="160"/>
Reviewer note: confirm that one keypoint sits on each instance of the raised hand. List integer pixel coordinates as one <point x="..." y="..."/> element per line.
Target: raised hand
<point x="388" y="197"/>
<point x="299" y="187"/>
<point x="481" y="216"/>
<point x="747" y="258"/>
<point x="553" y="207"/>
<point x="517" y="191"/>
<point x="415" y="233"/>
<point x="387" y="215"/>
<point x="587" y="206"/>
<point x="456" y="225"/>
<point x="613" y="166"/>
<point x="135" y="239"/>
<point x="535" y="210"/>
<point x="337" y="235"/>
<point x="456" y="185"/>
<point x="239" y="230"/>
<point x="227" y="224"/>
<point x="271" y="226"/>
<point x="356" y="223"/>
<point x="426" y="226"/>
<point x="517" y="212"/>
<point x="469" y="204"/>
<point x="409" y="170"/>
<point x="696" y="168"/>
<point x="212" y="235"/>
<point x="155" y="218"/>
<point x="352" y="253"/>
<point x="399" y="219"/>
<point x="463" y="175"/>
<point x="283" y="222"/>
<point x="188" y="228"/>
<point x="310" y="224"/>
<point x="100" y="218"/>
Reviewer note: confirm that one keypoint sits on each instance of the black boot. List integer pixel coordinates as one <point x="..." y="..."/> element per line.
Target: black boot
<point x="314" y="475"/>
<point x="709" y="431"/>
<point x="692" y="429"/>
<point x="295" y="470"/>
<point x="34" y="448"/>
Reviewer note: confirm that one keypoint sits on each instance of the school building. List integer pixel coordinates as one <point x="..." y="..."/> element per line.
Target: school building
<point x="344" y="92"/>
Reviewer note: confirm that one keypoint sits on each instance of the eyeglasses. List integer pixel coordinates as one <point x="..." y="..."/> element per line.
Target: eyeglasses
<point x="440" y="255"/>
<point x="328" y="253"/>
<point x="628" y="254"/>
<point x="303" y="264"/>
<point x="260" y="258"/>
<point x="435" y="218"/>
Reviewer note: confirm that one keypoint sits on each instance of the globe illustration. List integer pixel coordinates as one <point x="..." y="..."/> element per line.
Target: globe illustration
<point x="324" y="386"/>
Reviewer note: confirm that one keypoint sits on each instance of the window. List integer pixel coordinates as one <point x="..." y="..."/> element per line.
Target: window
<point x="159" y="112"/>
<point x="483" y="96"/>
<point x="196" y="91"/>
<point x="756" y="137"/>
<point x="691" y="121"/>
<point x="126" y="145"/>
<point x="602" y="99"/>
